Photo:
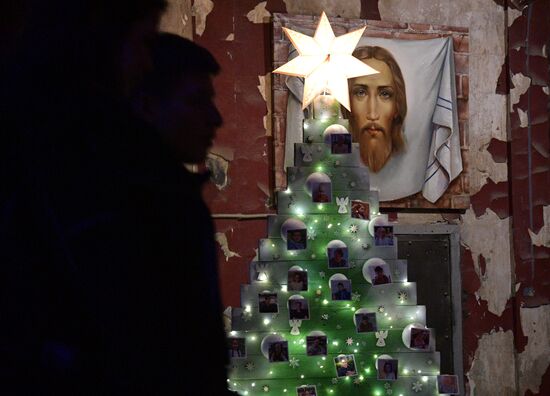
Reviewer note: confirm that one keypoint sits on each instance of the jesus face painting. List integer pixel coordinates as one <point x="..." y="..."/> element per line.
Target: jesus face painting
<point x="378" y="108"/>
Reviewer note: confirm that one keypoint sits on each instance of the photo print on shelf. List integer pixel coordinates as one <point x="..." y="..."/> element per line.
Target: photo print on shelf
<point x="387" y="369"/>
<point x="345" y="365"/>
<point x="338" y="257"/>
<point x="360" y="210"/>
<point x="278" y="351"/>
<point x="340" y="289"/>
<point x="366" y="322"/>
<point x="383" y="236"/>
<point x="236" y="347"/>
<point x="340" y="143"/>
<point x="296" y="239"/>
<point x="267" y="303"/>
<point x="316" y="345"/>
<point x="297" y="280"/>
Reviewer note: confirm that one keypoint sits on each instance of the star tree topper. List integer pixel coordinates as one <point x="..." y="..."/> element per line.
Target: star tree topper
<point x="325" y="61"/>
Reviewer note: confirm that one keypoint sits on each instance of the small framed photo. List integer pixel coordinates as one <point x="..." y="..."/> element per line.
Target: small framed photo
<point x="338" y="257"/>
<point x="296" y="239"/>
<point x="380" y="274"/>
<point x="387" y="369"/>
<point x="383" y="236"/>
<point x="366" y="322"/>
<point x="278" y="351"/>
<point x="360" y="210"/>
<point x="236" y="347"/>
<point x="297" y="280"/>
<point x="345" y="366"/>
<point x="447" y="384"/>
<point x="316" y="345"/>
<point x="420" y="338"/>
<point x="267" y="303"/>
<point x="321" y="192"/>
<point x="340" y="143"/>
<point x="306" y="390"/>
<point x="298" y="308"/>
<point x="340" y="289"/>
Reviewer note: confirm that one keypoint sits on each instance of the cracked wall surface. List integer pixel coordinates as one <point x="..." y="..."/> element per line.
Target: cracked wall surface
<point x="495" y="274"/>
<point x="493" y="367"/>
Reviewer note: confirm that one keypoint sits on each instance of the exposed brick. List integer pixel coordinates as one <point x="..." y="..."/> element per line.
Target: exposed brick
<point x="416" y="36"/>
<point x="279" y="101"/>
<point x="446" y="28"/>
<point x="458" y="87"/>
<point x="465" y="85"/>
<point x="387" y="25"/>
<point x="420" y="27"/>
<point x="455" y="188"/>
<point x="465" y="181"/>
<point x="460" y="202"/>
<point x="461" y="63"/>
<point x="464" y="138"/>
<point x="461" y="43"/>
<point x="339" y="29"/>
<point x="378" y="33"/>
<point x="280" y="51"/>
<point x="277" y="32"/>
<point x="465" y="159"/>
<point x="462" y="109"/>
<point x="278" y="81"/>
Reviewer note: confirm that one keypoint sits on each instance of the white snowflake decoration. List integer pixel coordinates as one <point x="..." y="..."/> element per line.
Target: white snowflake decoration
<point x="417" y="386"/>
<point x="429" y="362"/>
<point x="265" y="388"/>
<point x="357" y="381"/>
<point x="387" y="385"/>
<point x="322" y="274"/>
<point x="335" y="380"/>
<point x="389" y="391"/>
<point x="381" y="338"/>
<point x="275" y="315"/>
<point x="353" y="228"/>
<point x="402" y="295"/>
<point x="349" y="341"/>
<point x="355" y="297"/>
<point x="381" y="309"/>
<point x="338" y="327"/>
<point x="311" y="234"/>
<point x="293" y="362"/>
<point x="324" y="316"/>
<point x="249" y="366"/>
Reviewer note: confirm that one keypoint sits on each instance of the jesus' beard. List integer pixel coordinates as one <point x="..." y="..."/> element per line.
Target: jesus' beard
<point x="375" y="149"/>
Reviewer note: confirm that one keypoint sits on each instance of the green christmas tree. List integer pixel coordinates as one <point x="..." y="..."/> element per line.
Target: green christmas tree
<point x="329" y="309"/>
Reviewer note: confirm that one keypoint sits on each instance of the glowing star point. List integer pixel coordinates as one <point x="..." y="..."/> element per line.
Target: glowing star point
<point x="325" y="61"/>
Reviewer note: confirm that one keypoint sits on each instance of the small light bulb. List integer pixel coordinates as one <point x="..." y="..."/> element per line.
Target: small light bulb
<point x="266" y="321"/>
<point x="325" y="302"/>
<point x="329" y="226"/>
<point x="424" y="378"/>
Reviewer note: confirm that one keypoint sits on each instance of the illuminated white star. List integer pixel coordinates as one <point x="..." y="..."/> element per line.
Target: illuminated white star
<point x="325" y="61"/>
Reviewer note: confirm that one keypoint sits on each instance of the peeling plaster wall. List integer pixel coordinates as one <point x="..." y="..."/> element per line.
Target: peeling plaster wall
<point x="177" y="18"/>
<point x="533" y="362"/>
<point x="489" y="237"/>
<point x="493" y="368"/>
<point x="343" y="8"/>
